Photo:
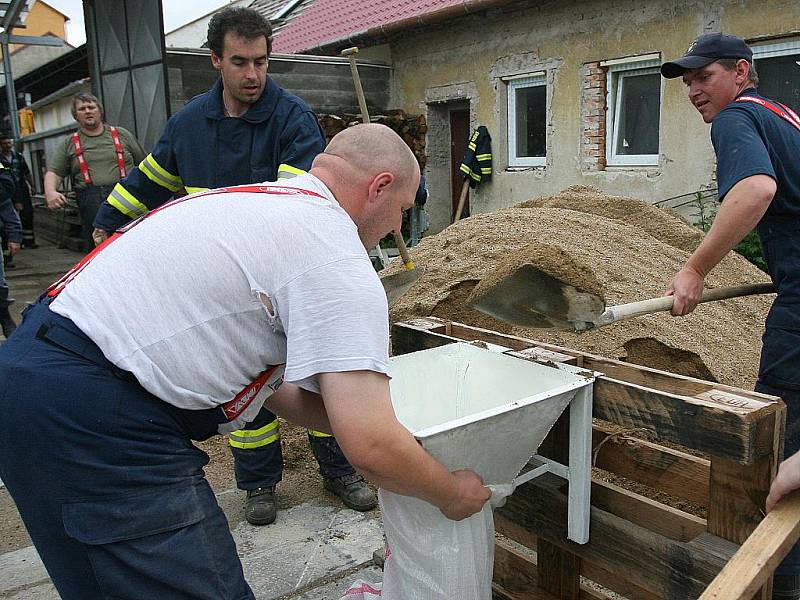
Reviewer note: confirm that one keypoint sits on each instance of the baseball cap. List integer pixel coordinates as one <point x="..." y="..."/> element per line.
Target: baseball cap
<point x="706" y="49"/>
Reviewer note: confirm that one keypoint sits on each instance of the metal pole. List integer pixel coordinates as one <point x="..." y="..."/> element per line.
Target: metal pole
<point x="11" y="94"/>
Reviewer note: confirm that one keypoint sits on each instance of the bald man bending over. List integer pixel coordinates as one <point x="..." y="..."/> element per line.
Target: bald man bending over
<point x="277" y="304"/>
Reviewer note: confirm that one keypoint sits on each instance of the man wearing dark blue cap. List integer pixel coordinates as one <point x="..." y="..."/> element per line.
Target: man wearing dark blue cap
<point x="757" y="144"/>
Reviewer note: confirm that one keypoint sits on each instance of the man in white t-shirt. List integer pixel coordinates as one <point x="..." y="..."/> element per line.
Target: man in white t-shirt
<point x="113" y="373"/>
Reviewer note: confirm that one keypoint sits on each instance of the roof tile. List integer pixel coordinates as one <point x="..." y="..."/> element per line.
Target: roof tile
<point x="328" y="20"/>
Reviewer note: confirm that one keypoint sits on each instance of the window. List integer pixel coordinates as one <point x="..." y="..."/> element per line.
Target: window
<point x="778" y="67"/>
<point x="634" y="107"/>
<point x="527" y="121"/>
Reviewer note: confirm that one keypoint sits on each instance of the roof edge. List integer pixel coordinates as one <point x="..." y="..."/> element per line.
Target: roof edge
<point x="466" y="7"/>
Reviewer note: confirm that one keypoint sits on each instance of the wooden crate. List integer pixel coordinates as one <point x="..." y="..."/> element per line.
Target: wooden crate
<point x="639" y="548"/>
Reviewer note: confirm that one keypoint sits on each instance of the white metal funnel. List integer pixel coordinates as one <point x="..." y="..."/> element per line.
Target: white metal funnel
<point x="475" y="409"/>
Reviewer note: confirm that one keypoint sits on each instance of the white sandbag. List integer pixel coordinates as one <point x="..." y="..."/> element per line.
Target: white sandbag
<point x="430" y="557"/>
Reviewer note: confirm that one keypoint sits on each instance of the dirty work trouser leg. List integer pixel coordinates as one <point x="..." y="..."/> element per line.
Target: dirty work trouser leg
<point x="3" y="287"/>
<point x="779" y="369"/>
<point x="106" y="479"/>
<point x="89" y="200"/>
<point x="258" y="459"/>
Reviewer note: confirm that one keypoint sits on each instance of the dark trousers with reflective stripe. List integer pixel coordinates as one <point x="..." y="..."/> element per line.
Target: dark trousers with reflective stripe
<point x="260" y="462"/>
<point x="105" y="475"/>
<point x="89" y="200"/>
<point x="26" y="216"/>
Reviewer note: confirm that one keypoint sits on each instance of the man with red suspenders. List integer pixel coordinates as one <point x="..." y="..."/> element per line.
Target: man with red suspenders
<point x="96" y="157"/>
<point x="757" y="144"/>
<point x="123" y="362"/>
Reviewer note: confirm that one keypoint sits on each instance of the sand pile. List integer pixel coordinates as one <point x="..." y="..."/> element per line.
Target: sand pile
<point x="621" y="247"/>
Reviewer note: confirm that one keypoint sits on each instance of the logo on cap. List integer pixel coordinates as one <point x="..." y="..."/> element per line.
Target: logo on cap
<point x="691" y="47"/>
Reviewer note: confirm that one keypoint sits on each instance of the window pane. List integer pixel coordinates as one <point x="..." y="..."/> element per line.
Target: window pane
<point x="638" y="114"/>
<point x="779" y="79"/>
<point x="531" y="106"/>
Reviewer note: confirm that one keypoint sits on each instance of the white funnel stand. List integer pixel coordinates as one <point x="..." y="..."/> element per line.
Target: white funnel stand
<point x="489" y="412"/>
<point x="478" y="409"/>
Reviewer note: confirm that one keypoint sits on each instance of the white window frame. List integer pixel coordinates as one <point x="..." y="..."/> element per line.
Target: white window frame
<point x="776" y="49"/>
<point x="617" y="73"/>
<point x="515" y="83"/>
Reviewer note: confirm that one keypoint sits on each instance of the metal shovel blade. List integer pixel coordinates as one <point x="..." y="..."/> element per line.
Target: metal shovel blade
<point x="530" y="297"/>
<point x="396" y="285"/>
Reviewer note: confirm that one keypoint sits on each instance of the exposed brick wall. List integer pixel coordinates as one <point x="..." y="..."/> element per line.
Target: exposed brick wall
<point x="593" y="117"/>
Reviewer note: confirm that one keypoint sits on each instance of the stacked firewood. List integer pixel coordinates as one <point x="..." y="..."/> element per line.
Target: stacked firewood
<point x="411" y="128"/>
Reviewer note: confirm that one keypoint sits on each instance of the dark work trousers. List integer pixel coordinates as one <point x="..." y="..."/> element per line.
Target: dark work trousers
<point x="23" y="197"/>
<point x="89" y="200"/>
<point x="262" y="466"/>
<point x="3" y="287"/>
<point x="779" y="370"/>
<point x="105" y="476"/>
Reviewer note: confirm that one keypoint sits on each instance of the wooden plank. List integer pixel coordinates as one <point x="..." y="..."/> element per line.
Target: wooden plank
<point x="713" y="429"/>
<point x="665" y="568"/>
<point x="760" y="554"/>
<point x="737" y="497"/>
<point x="660" y="518"/>
<point x="612" y="580"/>
<point x="673" y="472"/>
<point x="741" y="430"/>
<point x="559" y="569"/>
<point x="540" y="355"/>
<point x="516" y="577"/>
<point x="513" y="571"/>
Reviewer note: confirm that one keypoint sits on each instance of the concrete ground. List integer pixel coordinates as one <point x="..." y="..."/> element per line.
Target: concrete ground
<point x="314" y="551"/>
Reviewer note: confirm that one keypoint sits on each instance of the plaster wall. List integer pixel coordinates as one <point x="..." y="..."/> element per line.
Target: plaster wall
<point x="475" y="52"/>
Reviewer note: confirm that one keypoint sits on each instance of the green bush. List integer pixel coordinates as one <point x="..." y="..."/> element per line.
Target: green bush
<point x="749" y="247"/>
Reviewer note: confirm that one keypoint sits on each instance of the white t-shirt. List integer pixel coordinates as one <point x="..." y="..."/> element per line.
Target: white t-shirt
<point x="178" y="300"/>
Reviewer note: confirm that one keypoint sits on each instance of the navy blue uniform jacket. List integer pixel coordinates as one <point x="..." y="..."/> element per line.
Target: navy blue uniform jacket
<point x="201" y="148"/>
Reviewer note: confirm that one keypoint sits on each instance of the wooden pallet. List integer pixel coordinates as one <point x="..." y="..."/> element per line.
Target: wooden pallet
<point x="639" y="548"/>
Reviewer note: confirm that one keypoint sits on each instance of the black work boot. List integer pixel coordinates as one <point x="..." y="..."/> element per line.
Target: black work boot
<point x="260" y="509"/>
<point x="353" y="491"/>
<point x="6" y="322"/>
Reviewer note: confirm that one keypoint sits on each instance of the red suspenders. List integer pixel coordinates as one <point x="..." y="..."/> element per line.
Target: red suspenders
<point x="76" y="143"/>
<point x="59" y="285"/>
<point x="781" y="110"/>
<point x="232" y="408"/>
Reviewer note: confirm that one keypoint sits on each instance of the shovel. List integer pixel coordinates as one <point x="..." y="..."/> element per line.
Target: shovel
<point x="396" y="285"/>
<point x="531" y="298"/>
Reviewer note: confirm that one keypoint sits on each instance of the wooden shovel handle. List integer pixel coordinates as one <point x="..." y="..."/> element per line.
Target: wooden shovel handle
<point x="645" y="307"/>
<point x="461" y="200"/>
<point x="350" y="53"/>
<point x="401" y="246"/>
<point x="760" y="554"/>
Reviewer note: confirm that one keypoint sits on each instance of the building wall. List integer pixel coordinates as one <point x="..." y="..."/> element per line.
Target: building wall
<point x="468" y="59"/>
<point x="43" y="19"/>
<point x="193" y="35"/>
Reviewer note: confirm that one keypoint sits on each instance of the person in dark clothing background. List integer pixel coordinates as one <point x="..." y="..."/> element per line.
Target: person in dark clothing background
<point x="23" y="184"/>
<point x="9" y="220"/>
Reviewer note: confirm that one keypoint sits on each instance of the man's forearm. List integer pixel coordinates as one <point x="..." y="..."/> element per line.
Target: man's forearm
<point x="51" y="182"/>
<point x="375" y="443"/>
<point x="741" y="211"/>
